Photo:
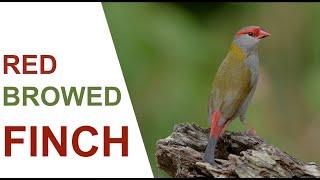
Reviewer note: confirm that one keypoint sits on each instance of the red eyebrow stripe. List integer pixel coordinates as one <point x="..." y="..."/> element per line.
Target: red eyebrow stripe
<point x="255" y="32"/>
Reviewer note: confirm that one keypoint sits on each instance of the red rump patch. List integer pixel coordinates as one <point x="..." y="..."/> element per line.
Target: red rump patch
<point x="215" y="129"/>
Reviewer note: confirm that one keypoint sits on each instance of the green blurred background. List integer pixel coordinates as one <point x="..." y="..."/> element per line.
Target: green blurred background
<point x="170" y="52"/>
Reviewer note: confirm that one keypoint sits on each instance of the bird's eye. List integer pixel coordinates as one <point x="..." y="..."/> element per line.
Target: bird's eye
<point x="250" y="33"/>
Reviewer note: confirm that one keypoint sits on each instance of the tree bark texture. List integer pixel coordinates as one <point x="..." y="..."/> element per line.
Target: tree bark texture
<point x="237" y="155"/>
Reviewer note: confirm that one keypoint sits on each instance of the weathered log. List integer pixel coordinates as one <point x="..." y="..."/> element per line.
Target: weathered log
<point x="238" y="155"/>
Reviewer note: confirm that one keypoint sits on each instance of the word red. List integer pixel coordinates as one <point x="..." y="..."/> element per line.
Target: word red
<point x="61" y="148"/>
<point x="29" y="64"/>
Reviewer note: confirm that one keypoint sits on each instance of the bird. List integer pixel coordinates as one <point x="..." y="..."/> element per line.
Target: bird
<point x="234" y="85"/>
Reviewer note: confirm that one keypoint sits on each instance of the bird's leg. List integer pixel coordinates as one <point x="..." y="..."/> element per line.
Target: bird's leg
<point x="249" y="130"/>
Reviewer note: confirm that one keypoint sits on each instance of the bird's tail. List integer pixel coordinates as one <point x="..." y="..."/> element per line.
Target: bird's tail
<point x="213" y="138"/>
<point x="209" y="153"/>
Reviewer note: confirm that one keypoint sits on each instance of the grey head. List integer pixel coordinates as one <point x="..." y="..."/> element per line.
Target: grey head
<point x="249" y="37"/>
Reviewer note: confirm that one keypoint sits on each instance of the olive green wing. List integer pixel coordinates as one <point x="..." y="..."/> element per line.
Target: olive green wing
<point x="231" y="86"/>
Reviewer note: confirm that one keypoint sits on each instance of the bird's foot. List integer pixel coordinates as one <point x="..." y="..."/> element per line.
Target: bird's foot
<point x="251" y="132"/>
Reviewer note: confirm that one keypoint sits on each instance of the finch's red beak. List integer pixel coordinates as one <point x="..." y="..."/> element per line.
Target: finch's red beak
<point x="263" y="34"/>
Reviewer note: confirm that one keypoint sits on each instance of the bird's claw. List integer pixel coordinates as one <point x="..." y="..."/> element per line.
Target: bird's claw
<point x="251" y="132"/>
